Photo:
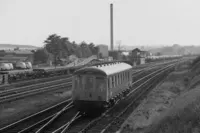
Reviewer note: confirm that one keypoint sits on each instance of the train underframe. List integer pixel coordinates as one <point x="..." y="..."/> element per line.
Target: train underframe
<point x="93" y="107"/>
<point x="90" y="106"/>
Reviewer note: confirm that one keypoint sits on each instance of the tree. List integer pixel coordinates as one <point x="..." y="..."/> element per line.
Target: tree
<point x="17" y="48"/>
<point x="53" y="45"/>
<point x="61" y="47"/>
<point x="85" y="50"/>
<point x="158" y="54"/>
<point x="40" y="56"/>
<point x="92" y="48"/>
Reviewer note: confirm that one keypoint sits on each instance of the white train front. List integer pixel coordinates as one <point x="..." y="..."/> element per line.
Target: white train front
<point x="97" y="86"/>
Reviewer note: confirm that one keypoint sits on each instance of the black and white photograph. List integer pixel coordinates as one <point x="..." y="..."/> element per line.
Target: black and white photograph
<point x="99" y="66"/>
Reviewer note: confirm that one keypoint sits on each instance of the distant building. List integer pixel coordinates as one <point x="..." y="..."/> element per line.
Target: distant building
<point x="139" y="53"/>
<point x="125" y="53"/>
<point x="138" y="56"/>
<point x="14" y="46"/>
<point x="116" y="55"/>
<point x="16" y="55"/>
<point x="102" y="51"/>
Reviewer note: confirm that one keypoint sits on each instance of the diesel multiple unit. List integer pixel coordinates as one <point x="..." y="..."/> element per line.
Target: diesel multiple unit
<point x="97" y="86"/>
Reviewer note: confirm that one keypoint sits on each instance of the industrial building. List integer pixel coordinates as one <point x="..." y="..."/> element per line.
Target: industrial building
<point x="102" y="51"/>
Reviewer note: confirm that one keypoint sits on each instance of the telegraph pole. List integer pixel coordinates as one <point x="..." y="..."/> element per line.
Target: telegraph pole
<point x="111" y="27"/>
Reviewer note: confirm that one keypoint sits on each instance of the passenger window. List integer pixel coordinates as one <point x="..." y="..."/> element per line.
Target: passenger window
<point x="116" y="80"/>
<point x="119" y="81"/>
<point x="121" y="77"/>
<point x="128" y="76"/>
<point x="110" y="81"/>
<point x="113" y="82"/>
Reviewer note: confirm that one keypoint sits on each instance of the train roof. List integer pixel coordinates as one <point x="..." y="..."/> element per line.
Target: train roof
<point x="106" y="69"/>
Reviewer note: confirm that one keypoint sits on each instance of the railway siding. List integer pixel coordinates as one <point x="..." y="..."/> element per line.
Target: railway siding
<point x="50" y="97"/>
<point x="13" y="111"/>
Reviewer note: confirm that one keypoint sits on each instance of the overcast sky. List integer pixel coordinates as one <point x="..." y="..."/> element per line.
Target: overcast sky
<point x="136" y="22"/>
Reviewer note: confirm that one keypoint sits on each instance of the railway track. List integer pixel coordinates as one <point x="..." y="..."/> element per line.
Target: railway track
<point x="106" y="120"/>
<point x="31" y="120"/>
<point x="81" y="124"/>
<point x="21" y="92"/>
<point x="27" y="124"/>
<point x="31" y="82"/>
<point x="111" y="123"/>
<point x="35" y="121"/>
<point x="34" y="86"/>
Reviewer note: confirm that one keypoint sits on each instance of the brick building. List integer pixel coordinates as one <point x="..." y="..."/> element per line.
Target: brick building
<point x="138" y="56"/>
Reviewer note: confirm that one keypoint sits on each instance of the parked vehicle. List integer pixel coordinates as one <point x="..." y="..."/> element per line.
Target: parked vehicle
<point x="4" y="66"/>
<point x="28" y="65"/>
<point x="20" y="65"/>
<point x="10" y="66"/>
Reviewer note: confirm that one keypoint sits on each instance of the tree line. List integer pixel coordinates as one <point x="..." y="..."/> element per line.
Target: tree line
<point x="61" y="47"/>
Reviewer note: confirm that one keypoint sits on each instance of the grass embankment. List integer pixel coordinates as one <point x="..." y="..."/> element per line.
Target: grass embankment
<point x="184" y="115"/>
<point x="172" y="107"/>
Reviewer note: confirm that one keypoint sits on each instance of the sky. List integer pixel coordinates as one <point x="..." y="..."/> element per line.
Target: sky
<point x="136" y="22"/>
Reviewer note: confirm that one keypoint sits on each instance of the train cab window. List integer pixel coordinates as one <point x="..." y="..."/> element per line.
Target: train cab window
<point x="89" y="81"/>
<point x="123" y="76"/>
<point x="100" y="84"/>
<point x="76" y="82"/>
<point x="81" y="82"/>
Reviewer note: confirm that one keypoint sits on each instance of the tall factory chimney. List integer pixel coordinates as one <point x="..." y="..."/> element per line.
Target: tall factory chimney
<point x="111" y="27"/>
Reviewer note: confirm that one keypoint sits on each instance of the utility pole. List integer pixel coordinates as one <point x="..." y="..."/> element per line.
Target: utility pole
<point x="111" y="27"/>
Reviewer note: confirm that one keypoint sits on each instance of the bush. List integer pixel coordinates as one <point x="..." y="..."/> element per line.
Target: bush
<point x="195" y="61"/>
<point x="186" y="121"/>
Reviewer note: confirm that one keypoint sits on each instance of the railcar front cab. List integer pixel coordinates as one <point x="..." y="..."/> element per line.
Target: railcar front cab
<point x="89" y="89"/>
